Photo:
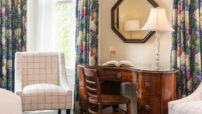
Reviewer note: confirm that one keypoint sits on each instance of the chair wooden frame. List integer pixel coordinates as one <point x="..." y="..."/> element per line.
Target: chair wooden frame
<point x="95" y="99"/>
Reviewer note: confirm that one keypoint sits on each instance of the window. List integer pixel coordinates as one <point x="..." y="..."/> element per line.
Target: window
<point x="51" y="27"/>
<point x="65" y="30"/>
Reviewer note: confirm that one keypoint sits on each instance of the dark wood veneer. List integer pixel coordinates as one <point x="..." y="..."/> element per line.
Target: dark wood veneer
<point x="154" y="89"/>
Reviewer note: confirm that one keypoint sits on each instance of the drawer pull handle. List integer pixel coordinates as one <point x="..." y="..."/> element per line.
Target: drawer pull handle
<point x="119" y="75"/>
<point x="147" y="107"/>
<point x="147" y="84"/>
<point x="139" y="94"/>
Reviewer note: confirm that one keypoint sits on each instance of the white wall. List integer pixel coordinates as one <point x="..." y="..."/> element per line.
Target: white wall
<point x="138" y="53"/>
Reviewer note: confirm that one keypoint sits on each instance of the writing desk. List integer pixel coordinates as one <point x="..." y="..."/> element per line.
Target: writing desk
<point x="154" y="88"/>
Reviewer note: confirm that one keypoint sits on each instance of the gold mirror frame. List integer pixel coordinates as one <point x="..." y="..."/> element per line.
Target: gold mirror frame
<point x="123" y="38"/>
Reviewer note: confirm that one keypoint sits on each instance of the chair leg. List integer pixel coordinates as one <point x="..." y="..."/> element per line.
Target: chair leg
<point x="115" y="107"/>
<point x="99" y="108"/>
<point x="59" y="111"/>
<point x="128" y="108"/>
<point x="67" y="111"/>
<point x="81" y="111"/>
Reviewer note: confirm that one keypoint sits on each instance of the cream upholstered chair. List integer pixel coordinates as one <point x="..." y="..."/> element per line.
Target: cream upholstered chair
<point x="9" y="103"/>
<point x="40" y="80"/>
<point x="189" y="105"/>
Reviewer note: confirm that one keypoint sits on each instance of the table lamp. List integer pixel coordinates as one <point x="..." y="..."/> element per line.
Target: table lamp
<point x="131" y="25"/>
<point x="158" y="22"/>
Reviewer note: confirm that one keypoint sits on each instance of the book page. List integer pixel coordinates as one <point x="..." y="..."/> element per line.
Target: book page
<point x="111" y="63"/>
<point x="126" y="63"/>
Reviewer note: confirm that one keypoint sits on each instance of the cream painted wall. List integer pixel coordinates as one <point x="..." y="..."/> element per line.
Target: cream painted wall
<point x="139" y="54"/>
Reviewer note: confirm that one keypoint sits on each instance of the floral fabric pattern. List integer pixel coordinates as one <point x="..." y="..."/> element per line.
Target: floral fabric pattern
<point x="187" y="45"/>
<point x="86" y="35"/>
<point x="13" y="38"/>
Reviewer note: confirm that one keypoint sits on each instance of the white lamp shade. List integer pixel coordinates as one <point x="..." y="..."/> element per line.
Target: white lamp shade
<point x="157" y="21"/>
<point x="131" y="25"/>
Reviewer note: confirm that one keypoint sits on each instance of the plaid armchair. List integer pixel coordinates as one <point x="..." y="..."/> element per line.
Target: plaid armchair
<point x="40" y="80"/>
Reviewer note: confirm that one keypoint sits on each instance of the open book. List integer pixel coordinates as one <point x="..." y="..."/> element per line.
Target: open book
<point x="122" y="63"/>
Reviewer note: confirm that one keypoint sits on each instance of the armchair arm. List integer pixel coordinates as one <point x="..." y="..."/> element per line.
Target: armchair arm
<point x="63" y="82"/>
<point x="18" y="74"/>
<point x="18" y="86"/>
<point x="195" y="96"/>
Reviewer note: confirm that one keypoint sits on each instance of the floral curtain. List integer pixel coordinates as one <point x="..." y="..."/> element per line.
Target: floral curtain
<point x="13" y="38"/>
<point x="187" y="45"/>
<point x="86" y="35"/>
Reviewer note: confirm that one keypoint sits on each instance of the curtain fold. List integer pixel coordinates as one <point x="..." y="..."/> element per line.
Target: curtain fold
<point x="186" y="45"/>
<point x="41" y="25"/>
<point x="86" y="36"/>
<point x="13" y="38"/>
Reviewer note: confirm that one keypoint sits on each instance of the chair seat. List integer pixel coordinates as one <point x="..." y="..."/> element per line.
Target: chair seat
<point x="45" y="89"/>
<point x="45" y="96"/>
<point x="191" y="107"/>
<point x="108" y="99"/>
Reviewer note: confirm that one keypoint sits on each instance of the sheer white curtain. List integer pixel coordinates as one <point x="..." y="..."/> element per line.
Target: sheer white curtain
<point x="41" y="25"/>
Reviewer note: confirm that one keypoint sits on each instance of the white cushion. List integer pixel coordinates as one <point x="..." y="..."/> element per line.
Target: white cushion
<point x="45" y="96"/>
<point x="191" y="107"/>
<point x="43" y="88"/>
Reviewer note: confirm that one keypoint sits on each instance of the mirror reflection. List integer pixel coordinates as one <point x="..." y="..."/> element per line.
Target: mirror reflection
<point x="130" y="16"/>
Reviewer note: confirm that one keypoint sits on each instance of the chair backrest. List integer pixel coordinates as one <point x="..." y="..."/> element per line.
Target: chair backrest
<point x="37" y="67"/>
<point x="92" y="82"/>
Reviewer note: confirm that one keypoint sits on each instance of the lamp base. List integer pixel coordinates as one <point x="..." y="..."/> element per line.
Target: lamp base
<point x="156" y="67"/>
<point x="157" y="64"/>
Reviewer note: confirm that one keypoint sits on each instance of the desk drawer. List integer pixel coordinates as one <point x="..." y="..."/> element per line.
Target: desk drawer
<point x="150" y="84"/>
<point x="150" y="105"/>
<point x="111" y="75"/>
<point x="129" y="77"/>
<point x="123" y="76"/>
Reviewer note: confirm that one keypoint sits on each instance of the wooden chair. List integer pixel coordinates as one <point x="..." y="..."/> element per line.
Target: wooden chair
<point x="96" y="100"/>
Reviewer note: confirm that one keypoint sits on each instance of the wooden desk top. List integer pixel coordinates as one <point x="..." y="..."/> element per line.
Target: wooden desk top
<point x="139" y="68"/>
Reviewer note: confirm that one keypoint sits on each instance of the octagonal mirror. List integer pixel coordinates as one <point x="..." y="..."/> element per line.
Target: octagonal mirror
<point x="128" y="17"/>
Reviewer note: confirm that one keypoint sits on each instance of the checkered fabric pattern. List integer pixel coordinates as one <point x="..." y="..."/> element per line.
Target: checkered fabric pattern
<point x="40" y="80"/>
<point x="189" y="105"/>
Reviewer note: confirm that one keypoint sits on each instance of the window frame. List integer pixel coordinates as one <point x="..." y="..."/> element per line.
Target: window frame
<point x="64" y="1"/>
